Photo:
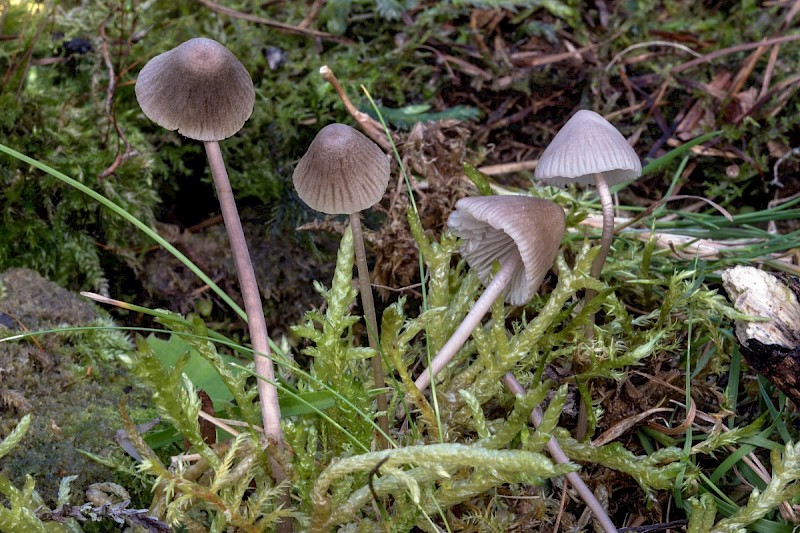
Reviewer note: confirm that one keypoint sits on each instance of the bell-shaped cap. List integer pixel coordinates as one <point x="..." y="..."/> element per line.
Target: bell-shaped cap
<point x="587" y="145"/>
<point x="342" y="172"/>
<point x="198" y="88"/>
<point x="504" y="227"/>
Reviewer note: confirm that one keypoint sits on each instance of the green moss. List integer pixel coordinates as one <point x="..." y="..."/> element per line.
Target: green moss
<point x="71" y="384"/>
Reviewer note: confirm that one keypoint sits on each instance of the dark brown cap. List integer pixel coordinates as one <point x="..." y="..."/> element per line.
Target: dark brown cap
<point x="198" y="88"/>
<point x="502" y="227"/>
<point x="342" y="172"/>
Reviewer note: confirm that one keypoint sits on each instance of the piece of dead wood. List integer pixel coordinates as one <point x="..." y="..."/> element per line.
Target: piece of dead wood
<point x="771" y="346"/>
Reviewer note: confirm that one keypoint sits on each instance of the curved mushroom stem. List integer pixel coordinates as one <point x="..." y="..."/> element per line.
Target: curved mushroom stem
<point x="608" y="224"/>
<point x="270" y="411"/>
<point x="559" y="456"/>
<point x="470" y="322"/>
<point x="365" y="288"/>
<point x="607" y="206"/>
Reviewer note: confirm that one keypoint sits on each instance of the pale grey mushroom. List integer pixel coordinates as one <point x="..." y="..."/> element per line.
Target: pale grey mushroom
<point x="522" y="234"/>
<point x="589" y="150"/>
<point x="344" y="173"/>
<point x="200" y="89"/>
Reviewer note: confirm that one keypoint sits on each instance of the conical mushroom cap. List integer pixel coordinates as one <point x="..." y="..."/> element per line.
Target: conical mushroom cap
<point x="342" y="172"/>
<point x="198" y="88"/>
<point x="586" y="145"/>
<point x="502" y="227"/>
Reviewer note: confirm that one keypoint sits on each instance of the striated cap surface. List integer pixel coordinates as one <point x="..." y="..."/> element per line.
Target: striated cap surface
<point x="586" y="145"/>
<point x="198" y="88"/>
<point x="502" y="227"/>
<point x="342" y="172"/>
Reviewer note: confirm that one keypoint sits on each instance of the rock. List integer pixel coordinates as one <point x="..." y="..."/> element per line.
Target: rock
<point x="71" y="383"/>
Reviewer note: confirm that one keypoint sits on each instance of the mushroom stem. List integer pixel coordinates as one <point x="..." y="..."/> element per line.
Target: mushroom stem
<point x="608" y="224"/>
<point x="559" y="456"/>
<point x="470" y="322"/>
<point x="270" y="411"/>
<point x="606" y="237"/>
<point x="365" y="288"/>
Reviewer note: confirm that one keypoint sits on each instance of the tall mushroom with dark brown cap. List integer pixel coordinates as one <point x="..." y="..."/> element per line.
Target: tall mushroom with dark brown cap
<point x="344" y="173"/>
<point x="200" y="89"/>
<point x="522" y="234"/>
<point x="588" y="149"/>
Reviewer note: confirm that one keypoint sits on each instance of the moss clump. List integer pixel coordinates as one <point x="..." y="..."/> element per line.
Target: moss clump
<point x="70" y="383"/>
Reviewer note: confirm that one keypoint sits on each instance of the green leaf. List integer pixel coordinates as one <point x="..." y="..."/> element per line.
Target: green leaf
<point x="201" y="373"/>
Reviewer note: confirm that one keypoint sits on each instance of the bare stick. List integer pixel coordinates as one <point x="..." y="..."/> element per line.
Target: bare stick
<point x="371" y="127"/>
<point x="372" y="325"/>
<point x="559" y="456"/>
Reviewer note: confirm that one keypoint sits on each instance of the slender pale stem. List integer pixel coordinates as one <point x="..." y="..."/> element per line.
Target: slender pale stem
<point x="607" y="236"/>
<point x="270" y="411"/>
<point x="470" y="322"/>
<point x="607" y="206"/>
<point x="559" y="456"/>
<point x="365" y="288"/>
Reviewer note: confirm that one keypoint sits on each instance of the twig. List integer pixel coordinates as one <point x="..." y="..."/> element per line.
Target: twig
<point x="655" y="205"/>
<point x="508" y="168"/>
<point x="280" y="26"/>
<point x="312" y="12"/>
<point x="679" y="46"/>
<point x="732" y="50"/>
<point x="217" y="422"/>
<point x="109" y="107"/>
<point x="370" y="126"/>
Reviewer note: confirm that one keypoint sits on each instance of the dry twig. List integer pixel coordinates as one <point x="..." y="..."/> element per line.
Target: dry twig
<point x="280" y="26"/>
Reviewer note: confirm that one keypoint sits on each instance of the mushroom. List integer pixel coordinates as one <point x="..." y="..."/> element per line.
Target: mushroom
<point x="200" y="89"/>
<point x="588" y="149"/>
<point x="521" y="233"/>
<point x="344" y="173"/>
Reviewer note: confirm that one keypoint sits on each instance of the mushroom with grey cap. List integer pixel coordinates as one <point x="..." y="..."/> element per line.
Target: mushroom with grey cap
<point x="588" y="149"/>
<point x="344" y="173"/>
<point x="200" y="89"/>
<point x="521" y="233"/>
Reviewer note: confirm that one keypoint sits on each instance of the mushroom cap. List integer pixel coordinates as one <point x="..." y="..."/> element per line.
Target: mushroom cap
<point x="501" y="227"/>
<point x="342" y="172"/>
<point x="587" y="145"/>
<point x="198" y="88"/>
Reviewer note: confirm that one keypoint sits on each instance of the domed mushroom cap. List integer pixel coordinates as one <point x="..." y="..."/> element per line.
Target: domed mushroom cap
<point x="342" y="172"/>
<point x="198" y="88"/>
<point x="586" y="145"/>
<point x="502" y="227"/>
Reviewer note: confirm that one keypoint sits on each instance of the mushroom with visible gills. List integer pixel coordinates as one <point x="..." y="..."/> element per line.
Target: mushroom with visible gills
<point x="588" y="149"/>
<point x="200" y="89"/>
<point x="344" y="173"/>
<point x="521" y="233"/>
